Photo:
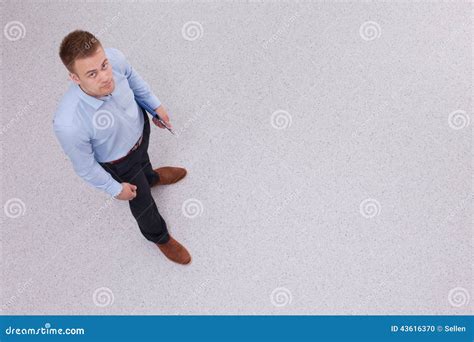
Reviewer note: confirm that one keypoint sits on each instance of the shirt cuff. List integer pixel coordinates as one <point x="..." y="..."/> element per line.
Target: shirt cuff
<point x="153" y="102"/>
<point x="115" y="189"/>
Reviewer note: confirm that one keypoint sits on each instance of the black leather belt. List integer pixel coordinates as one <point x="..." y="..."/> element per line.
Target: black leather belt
<point x="139" y="142"/>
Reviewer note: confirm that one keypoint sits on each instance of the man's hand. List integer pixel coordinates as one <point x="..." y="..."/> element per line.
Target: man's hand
<point x="129" y="192"/>
<point x="161" y="111"/>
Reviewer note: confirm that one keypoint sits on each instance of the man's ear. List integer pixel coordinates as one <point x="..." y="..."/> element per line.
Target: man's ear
<point x="74" y="78"/>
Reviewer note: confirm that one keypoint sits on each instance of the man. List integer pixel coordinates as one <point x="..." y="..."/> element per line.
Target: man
<point x="105" y="133"/>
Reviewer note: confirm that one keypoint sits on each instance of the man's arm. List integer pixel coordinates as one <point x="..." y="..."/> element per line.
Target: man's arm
<point x="140" y="88"/>
<point x="79" y="150"/>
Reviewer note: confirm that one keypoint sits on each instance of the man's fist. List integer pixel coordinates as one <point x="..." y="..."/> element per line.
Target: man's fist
<point x="129" y="192"/>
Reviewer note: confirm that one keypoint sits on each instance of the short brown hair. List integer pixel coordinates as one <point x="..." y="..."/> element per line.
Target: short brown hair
<point x="76" y="45"/>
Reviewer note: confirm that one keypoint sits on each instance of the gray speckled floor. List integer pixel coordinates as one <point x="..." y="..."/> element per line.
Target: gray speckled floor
<point x="328" y="146"/>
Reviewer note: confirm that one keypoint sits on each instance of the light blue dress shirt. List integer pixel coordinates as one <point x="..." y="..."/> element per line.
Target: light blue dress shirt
<point x="92" y="130"/>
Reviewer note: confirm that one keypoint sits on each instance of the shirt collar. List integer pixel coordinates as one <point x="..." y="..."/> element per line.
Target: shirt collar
<point x="106" y="97"/>
<point x="91" y="100"/>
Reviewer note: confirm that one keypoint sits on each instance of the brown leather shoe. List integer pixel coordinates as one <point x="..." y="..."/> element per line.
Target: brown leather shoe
<point x="175" y="251"/>
<point x="169" y="175"/>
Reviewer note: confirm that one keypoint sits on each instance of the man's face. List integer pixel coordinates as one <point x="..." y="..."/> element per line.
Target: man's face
<point x="94" y="74"/>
